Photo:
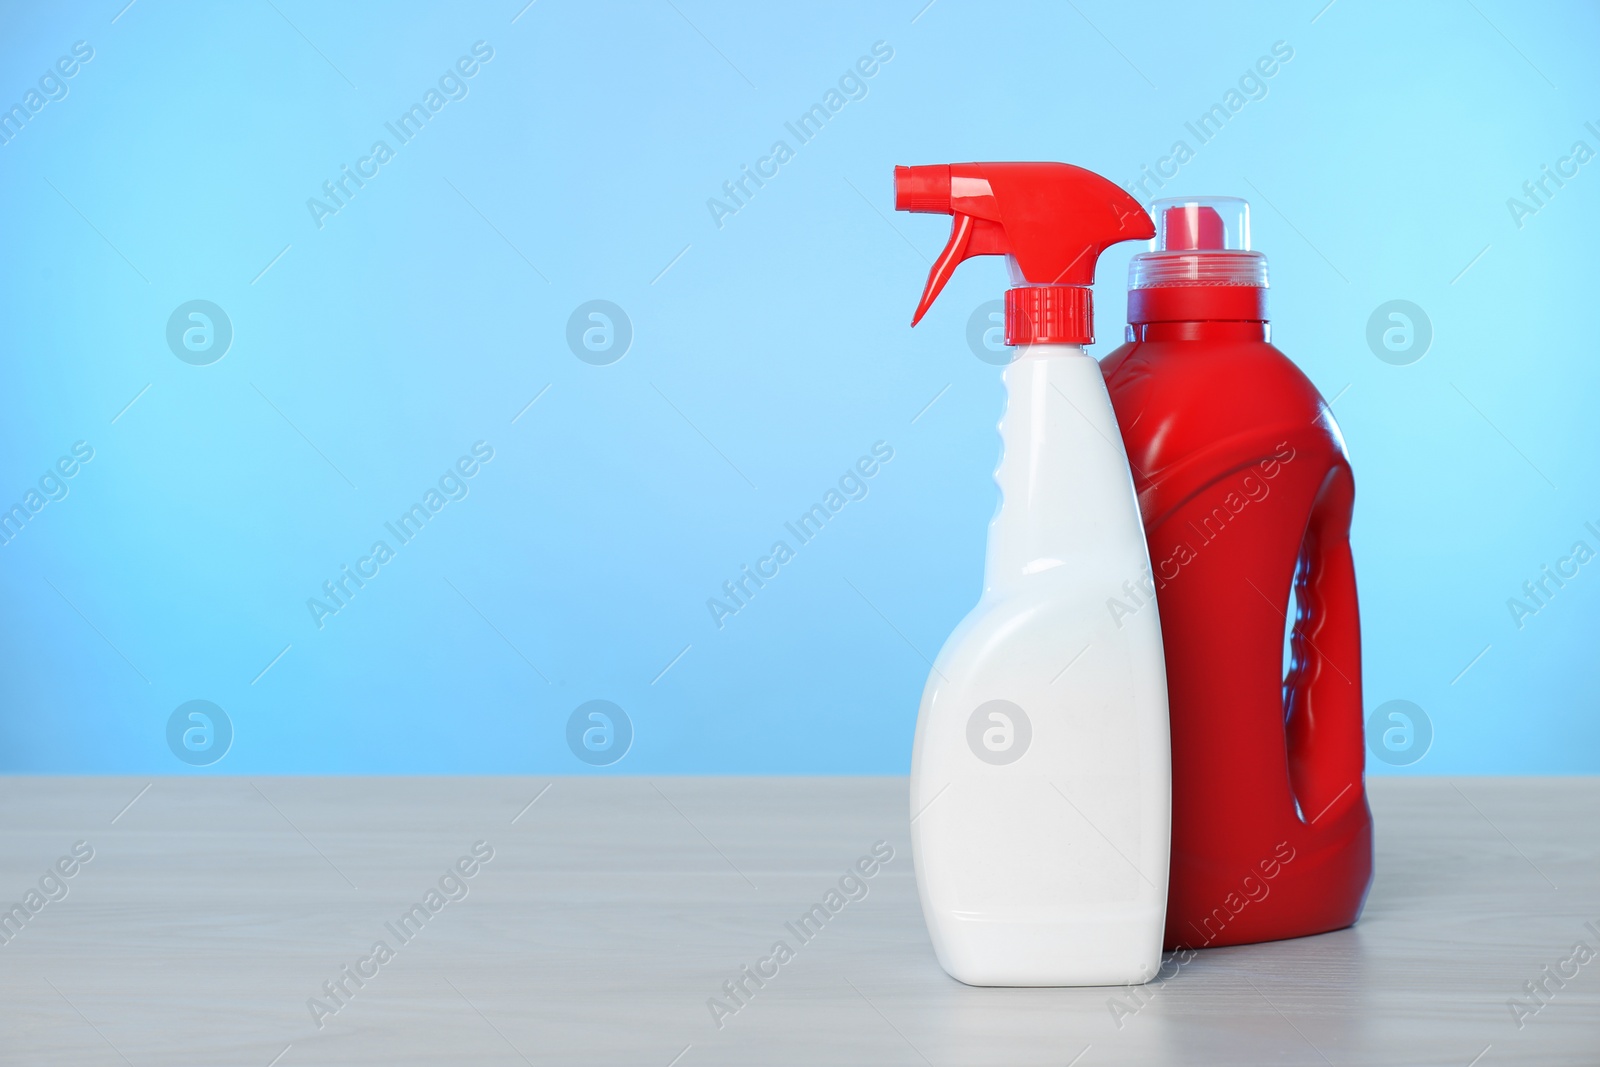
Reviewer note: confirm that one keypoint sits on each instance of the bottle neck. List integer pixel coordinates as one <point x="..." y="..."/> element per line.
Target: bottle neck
<point x="1063" y="460"/>
<point x="1197" y="303"/>
<point x="1202" y="330"/>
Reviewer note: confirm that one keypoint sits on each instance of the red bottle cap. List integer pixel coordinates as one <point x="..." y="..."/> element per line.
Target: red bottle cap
<point x="1191" y="225"/>
<point x="1045" y="314"/>
<point x="1201" y="268"/>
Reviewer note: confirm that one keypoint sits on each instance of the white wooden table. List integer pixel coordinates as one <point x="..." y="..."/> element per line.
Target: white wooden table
<point x="613" y="909"/>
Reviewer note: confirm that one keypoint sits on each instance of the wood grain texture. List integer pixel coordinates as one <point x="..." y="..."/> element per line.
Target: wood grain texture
<point x="614" y="908"/>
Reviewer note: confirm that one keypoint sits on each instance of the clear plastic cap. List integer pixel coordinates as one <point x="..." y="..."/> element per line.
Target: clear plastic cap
<point x="1200" y="240"/>
<point x="1204" y="223"/>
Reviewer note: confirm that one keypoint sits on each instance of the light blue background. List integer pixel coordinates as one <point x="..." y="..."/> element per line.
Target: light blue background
<point x="774" y="352"/>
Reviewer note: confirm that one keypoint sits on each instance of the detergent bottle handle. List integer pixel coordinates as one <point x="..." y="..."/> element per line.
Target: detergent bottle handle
<point x="1322" y="690"/>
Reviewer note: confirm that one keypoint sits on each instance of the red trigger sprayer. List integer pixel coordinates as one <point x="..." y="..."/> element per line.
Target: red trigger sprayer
<point x="1051" y="221"/>
<point x="1017" y="886"/>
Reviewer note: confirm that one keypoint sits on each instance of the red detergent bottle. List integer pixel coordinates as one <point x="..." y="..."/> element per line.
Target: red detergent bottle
<point x="1246" y="495"/>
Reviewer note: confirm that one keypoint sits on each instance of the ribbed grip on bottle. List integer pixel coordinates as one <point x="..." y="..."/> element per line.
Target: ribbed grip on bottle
<point x="1050" y="314"/>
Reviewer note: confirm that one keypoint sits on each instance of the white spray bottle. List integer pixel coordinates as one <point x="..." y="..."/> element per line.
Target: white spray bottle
<point x="1041" y="771"/>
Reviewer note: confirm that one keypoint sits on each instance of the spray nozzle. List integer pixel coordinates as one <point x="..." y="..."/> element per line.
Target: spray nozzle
<point x="1051" y="219"/>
